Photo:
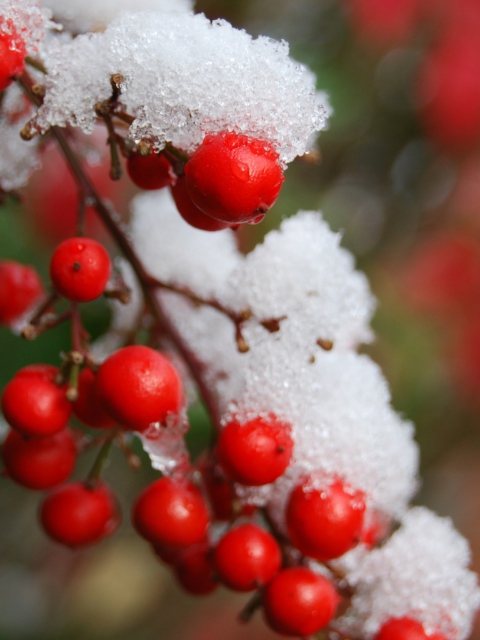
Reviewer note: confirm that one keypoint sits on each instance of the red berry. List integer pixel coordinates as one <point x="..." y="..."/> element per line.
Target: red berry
<point x="405" y="629"/>
<point x="325" y="522"/>
<point x="234" y="178"/>
<point x="149" y="172"/>
<point x="171" y="513"/>
<point x="298" y="602"/>
<point x="194" y="570"/>
<point x="256" y="452"/>
<point x="80" y="269"/>
<point x="39" y="463"/>
<point x="77" y="514"/>
<point x="247" y="557"/>
<point x="33" y="404"/>
<point x="12" y="55"/>
<point x="20" y="289"/>
<point x="191" y="213"/>
<point x="138" y="387"/>
<point x="88" y="407"/>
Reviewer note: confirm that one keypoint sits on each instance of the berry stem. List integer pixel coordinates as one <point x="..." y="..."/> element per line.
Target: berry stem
<point x="100" y="460"/>
<point x="251" y="607"/>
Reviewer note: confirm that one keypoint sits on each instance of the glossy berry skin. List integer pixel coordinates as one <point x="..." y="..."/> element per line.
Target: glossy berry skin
<point x="76" y="514"/>
<point x="88" y="407"/>
<point x="256" y="452"/>
<point x="326" y="522"/>
<point x="247" y="557"/>
<point x="20" y="289"/>
<point x="405" y="629"/>
<point x="194" y="570"/>
<point x="33" y="404"/>
<point x="191" y="213"/>
<point x="298" y="602"/>
<point x="39" y="463"/>
<point x="234" y="178"/>
<point x="12" y="56"/>
<point x="171" y="513"/>
<point x="149" y="172"/>
<point x="80" y="269"/>
<point x="138" y="387"/>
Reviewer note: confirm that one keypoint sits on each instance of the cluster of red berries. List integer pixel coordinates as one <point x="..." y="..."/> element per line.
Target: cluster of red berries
<point x="230" y="179"/>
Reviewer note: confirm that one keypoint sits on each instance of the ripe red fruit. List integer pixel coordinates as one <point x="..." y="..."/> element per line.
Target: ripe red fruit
<point x="138" y="387"/>
<point x="149" y="172"/>
<point x="194" y="570"/>
<point x="191" y="213"/>
<point x="20" y="289"/>
<point x="247" y="557"/>
<point x="78" y="514"/>
<point x="234" y="178"/>
<point x="12" y="54"/>
<point x="88" y="407"/>
<point x="405" y="629"/>
<point x="33" y="404"/>
<point x="298" y="602"/>
<point x="256" y="452"/>
<point x="171" y="513"/>
<point x="80" y="269"/>
<point x="324" y="522"/>
<point x="39" y="463"/>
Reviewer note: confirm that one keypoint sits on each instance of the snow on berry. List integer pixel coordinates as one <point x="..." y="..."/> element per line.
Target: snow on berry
<point x="420" y="573"/>
<point x="25" y="22"/>
<point x="185" y="77"/>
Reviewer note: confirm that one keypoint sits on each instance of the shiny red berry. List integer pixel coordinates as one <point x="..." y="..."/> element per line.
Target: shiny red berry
<point x="405" y="629"/>
<point x="247" y="557"/>
<point x="298" y="602"/>
<point x="171" y="513"/>
<point x="194" y="570"/>
<point x="80" y="269"/>
<point x="33" y="404"/>
<point x="138" y="387"/>
<point x="325" y="521"/>
<point x="20" y="289"/>
<point x="233" y="177"/>
<point x="88" y="407"/>
<point x="149" y="172"/>
<point x="191" y="213"/>
<point x="78" y="514"/>
<point x="12" y="55"/>
<point x="256" y="452"/>
<point x="39" y="463"/>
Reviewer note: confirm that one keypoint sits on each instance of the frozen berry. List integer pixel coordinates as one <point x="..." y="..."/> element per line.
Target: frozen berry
<point x="298" y="602"/>
<point x="78" y="514"/>
<point x="33" y="404"/>
<point x="247" y="557"/>
<point x="80" y="269"/>
<point x="12" y="55"/>
<point x="325" y="521"/>
<point x="39" y="463"/>
<point x="20" y="289"/>
<point x="256" y="452"/>
<point x="138" y="387"/>
<point x="171" y="513"/>
<point x="194" y="570"/>
<point x="149" y="172"/>
<point x="191" y="213"/>
<point x="233" y="177"/>
<point x="405" y="629"/>
<point x="88" y="407"/>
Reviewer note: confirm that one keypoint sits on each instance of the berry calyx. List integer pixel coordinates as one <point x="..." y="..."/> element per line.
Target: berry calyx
<point x="139" y="387"/>
<point x="149" y="172"/>
<point x="233" y="177"/>
<point x="256" y="452"/>
<point x="88" y="407"/>
<point x="325" y="521"/>
<point x="171" y="513"/>
<point x="247" y="557"/>
<point x="80" y="269"/>
<point x="194" y="570"/>
<point x="191" y="213"/>
<point x="33" y="404"/>
<point x="39" y="463"/>
<point x="405" y="629"/>
<point x="12" y="55"/>
<point x="78" y="514"/>
<point x="20" y="289"/>
<point x="298" y="602"/>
